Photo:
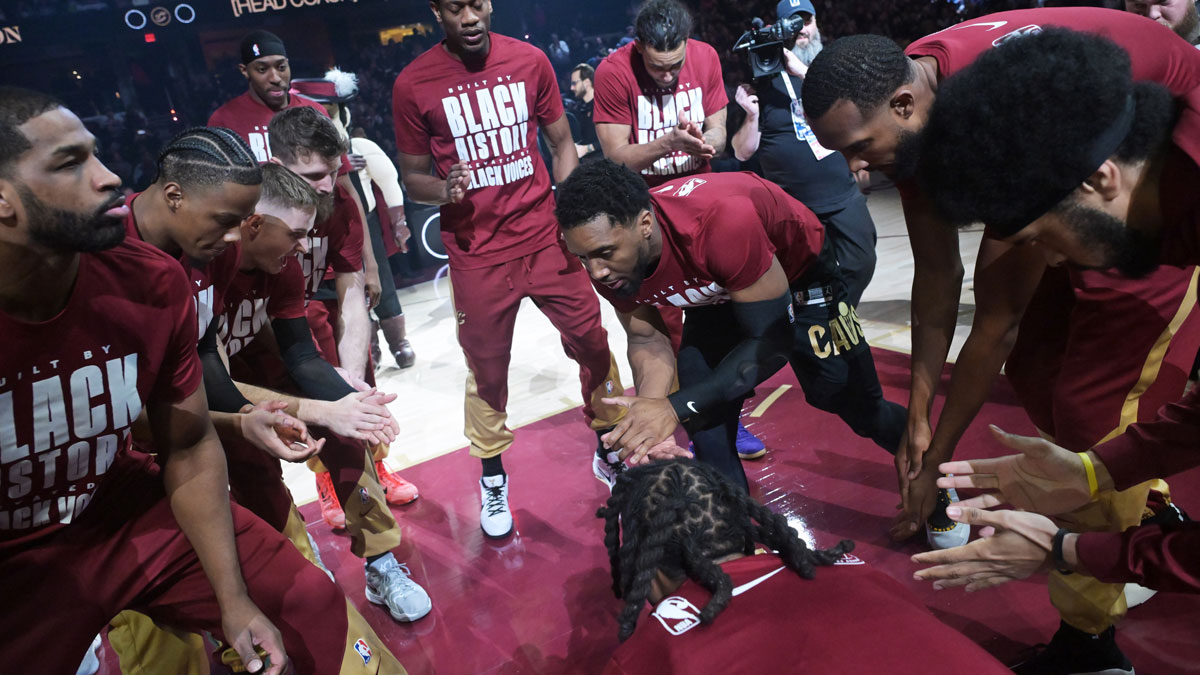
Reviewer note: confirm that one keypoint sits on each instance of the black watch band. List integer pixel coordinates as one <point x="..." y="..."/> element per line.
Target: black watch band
<point x="1056" y="551"/>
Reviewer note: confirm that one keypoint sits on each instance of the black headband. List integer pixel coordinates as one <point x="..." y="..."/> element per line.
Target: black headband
<point x="1101" y="149"/>
<point x="261" y="43"/>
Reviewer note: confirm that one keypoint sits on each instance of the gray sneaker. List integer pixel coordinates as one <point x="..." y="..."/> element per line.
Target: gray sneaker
<point x="390" y="583"/>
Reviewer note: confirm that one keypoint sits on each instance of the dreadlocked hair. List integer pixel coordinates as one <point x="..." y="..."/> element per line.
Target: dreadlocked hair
<point x="208" y="156"/>
<point x="862" y="69"/>
<point x="679" y="516"/>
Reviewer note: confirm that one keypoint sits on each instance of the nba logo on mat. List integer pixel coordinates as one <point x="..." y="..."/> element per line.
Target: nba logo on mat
<point x="364" y="650"/>
<point x="677" y="615"/>
<point x="848" y="559"/>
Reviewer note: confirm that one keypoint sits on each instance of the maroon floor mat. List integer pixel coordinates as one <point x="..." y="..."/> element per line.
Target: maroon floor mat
<point x="540" y="602"/>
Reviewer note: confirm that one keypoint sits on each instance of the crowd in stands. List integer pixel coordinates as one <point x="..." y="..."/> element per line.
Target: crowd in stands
<point x="130" y="139"/>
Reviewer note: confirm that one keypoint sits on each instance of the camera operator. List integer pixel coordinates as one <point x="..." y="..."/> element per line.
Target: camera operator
<point x="660" y="100"/>
<point x="776" y="133"/>
<point x="583" y="79"/>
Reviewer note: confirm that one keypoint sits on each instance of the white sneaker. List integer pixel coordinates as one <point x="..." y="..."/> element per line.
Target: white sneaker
<point x="951" y="535"/>
<point x="495" y="518"/>
<point x="389" y="583"/>
<point x="91" y="662"/>
<point x="608" y="468"/>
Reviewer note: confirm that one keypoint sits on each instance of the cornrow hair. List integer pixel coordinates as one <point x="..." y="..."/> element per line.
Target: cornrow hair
<point x="282" y="187"/>
<point x="679" y="516"/>
<point x="862" y="69"/>
<point x="208" y="156"/>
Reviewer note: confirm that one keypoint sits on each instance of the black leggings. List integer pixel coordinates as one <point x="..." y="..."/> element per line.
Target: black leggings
<point x="389" y="302"/>
<point x="830" y="357"/>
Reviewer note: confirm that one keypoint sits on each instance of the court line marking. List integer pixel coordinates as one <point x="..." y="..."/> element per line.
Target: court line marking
<point x="766" y="403"/>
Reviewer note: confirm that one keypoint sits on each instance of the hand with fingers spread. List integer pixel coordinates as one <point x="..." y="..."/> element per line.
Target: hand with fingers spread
<point x="277" y="433"/>
<point x="458" y="181"/>
<point x="1044" y="478"/>
<point x="648" y="423"/>
<point x="357" y="161"/>
<point x="245" y="628"/>
<point x="1015" y="545"/>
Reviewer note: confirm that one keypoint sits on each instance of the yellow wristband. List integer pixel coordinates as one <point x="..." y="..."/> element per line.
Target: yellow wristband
<point x="1090" y="469"/>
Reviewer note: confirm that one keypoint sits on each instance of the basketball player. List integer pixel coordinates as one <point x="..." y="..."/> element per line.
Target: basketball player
<point x="1108" y="168"/>
<point x="659" y="108"/>
<point x="268" y="75"/>
<point x="758" y="283"/>
<point x="474" y="151"/>
<point x="111" y="324"/>
<point x="1070" y="381"/>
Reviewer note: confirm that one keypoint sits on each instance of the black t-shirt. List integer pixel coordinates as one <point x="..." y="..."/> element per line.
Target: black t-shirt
<point x="587" y="128"/>
<point x="822" y="185"/>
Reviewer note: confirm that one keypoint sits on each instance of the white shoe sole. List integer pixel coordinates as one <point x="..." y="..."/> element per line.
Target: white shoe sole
<point x="380" y="600"/>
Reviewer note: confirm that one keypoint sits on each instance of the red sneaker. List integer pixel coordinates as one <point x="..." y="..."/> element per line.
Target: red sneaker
<point x="331" y="510"/>
<point x="398" y="490"/>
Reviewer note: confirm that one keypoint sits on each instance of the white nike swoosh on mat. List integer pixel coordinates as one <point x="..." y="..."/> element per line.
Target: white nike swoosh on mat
<point x="751" y="584"/>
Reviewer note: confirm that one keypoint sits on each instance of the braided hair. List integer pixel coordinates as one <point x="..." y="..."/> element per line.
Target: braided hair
<point x="208" y="156"/>
<point x="679" y="516"/>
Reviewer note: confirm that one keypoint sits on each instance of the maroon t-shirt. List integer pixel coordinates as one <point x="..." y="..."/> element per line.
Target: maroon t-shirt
<point x="1155" y="52"/>
<point x="336" y="243"/>
<point x="626" y="94"/>
<point x="488" y="118"/>
<point x="72" y="386"/>
<point x="849" y="619"/>
<point x="720" y="232"/>
<point x="250" y="118"/>
<point x="254" y="298"/>
<point x="208" y="282"/>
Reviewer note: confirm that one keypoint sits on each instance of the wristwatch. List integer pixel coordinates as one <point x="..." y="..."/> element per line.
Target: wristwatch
<point x="1056" y="550"/>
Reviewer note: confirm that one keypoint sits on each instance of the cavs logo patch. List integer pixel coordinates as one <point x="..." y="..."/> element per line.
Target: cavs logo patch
<point x="364" y="650"/>
<point x="677" y="615"/>
<point x="461" y="316"/>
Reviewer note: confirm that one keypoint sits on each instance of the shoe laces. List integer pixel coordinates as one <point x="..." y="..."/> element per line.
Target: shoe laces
<point x="397" y="577"/>
<point x="494" y="500"/>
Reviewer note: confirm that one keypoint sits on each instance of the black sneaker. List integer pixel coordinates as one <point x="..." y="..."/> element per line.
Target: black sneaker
<point x="1075" y="652"/>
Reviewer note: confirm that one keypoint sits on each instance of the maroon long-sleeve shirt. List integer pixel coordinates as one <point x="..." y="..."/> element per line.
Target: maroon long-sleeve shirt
<point x="1165" y="559"/>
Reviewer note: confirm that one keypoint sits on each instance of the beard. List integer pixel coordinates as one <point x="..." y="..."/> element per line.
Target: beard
<point x="908" y="153"/>
<point x="1189" y="28"/>
<point x="641" y="269"/>
<point x="325" y="207"/>
<point x="808" y="52"/>
<point x="69" y="231"/>
<point x="1128" y="250"/>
